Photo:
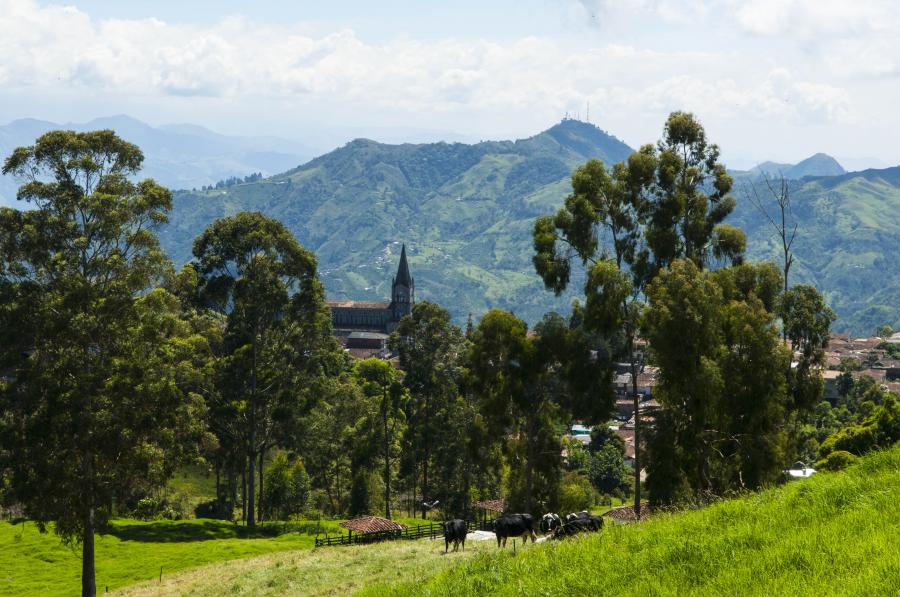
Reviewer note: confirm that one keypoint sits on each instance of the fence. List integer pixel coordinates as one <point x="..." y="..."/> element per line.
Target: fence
<point x="431" y="530"/>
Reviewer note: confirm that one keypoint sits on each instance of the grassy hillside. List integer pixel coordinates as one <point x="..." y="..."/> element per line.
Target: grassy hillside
<point x="833" y="534"/>
<point x="34" y="563"/>
<point x="329" y="571"/>
<point x="466" y="213"/>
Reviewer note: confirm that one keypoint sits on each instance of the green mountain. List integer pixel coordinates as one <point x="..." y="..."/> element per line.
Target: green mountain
<point x="464" y="211"/>
<point x="466" y="214"/>
<point x="848" y="240"/>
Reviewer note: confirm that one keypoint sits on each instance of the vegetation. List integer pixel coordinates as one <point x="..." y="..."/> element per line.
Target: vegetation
<point x="830" y="534"/>
<point x="99" y="408"/>
<point x="131" y="551"/>
<point x="120" y="372"/>
<point x="466" y="211"/>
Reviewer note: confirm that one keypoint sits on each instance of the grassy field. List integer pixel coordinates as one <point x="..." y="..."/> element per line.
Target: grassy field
<point x="833" y="534"/>
<point x="32" y="563"/>
<point x="836" y="533"/>
<point x="324" y="571"/>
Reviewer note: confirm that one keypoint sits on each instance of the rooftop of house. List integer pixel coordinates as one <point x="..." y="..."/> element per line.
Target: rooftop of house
<point x="358" y="304"/>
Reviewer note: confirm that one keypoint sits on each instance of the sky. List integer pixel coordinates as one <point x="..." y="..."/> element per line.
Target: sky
<point x="770" y="79"/>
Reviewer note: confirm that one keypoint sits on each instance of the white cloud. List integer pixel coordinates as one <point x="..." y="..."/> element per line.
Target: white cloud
<point x="61" y="48"/>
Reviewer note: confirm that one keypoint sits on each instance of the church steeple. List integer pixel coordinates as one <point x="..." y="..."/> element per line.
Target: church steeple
<point x="403" y="290"/>
<point x="403" y="276"/>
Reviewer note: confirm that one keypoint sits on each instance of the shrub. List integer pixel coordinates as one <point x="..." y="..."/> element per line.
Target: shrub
<point x="286" y="492"/>
<point x="836" y="461"/>
<point x="576" y="493"/>
<point x="215" y="509"/>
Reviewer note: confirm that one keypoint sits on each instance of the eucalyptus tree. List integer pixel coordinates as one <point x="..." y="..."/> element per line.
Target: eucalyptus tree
<point x="254" y="271"/>
<point x="431" y="350"/>
<point x="382" y="380"/>
<point x="527" y="384"/>
<point x="601" y="225"/>
<point x="96" y="409"/>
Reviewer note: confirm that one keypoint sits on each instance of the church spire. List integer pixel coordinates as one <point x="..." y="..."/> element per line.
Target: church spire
<point x="403" y="276"/>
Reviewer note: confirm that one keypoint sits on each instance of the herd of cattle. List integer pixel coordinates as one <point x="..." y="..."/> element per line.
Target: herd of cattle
<point x="522" y="525"/>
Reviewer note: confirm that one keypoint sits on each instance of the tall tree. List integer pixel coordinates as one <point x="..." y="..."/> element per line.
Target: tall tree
<point x="278" y="326"/>
<point x="95" y="411"/>
<point x="605" y="209"/>
<point x="430" y="348"/>
<point x="527" y="384"/>
<point x="380" y="379"/>
<point x="777" y="191"/>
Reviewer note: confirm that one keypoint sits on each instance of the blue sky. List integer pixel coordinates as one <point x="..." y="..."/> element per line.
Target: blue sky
<point x="770" y="79"/>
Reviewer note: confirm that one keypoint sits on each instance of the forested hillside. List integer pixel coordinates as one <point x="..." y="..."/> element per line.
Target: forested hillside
<point x="466" y="213"/>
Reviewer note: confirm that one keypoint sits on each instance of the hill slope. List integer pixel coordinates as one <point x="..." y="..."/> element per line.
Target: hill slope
<point x="848" y="239"/>
<point x="833" y="534"/>
<point x="820" y="164"/>
<point x="464" y="211"/>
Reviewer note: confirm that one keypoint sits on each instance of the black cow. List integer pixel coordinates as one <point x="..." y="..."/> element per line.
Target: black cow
<point x="595" y="523"/>
<point x="514" y="525"/>
<point x="578" y="524"/>
<point x="550" y="522"/>
<point x="455" y="531"/>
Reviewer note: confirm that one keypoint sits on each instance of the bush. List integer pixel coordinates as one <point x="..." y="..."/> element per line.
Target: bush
<point x="215" y="509"/>
<point x="835" y="461"/>
<point x="286" y="492"/>
<point x="576" y="493"/>
<point x="154" y="508"/>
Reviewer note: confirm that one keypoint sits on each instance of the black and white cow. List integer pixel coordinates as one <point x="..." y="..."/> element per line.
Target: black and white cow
<point x="594" y="523"/>
<point x="455" y="532"/>
<point x="514" y="525"/>
<point x="550" y="522"/>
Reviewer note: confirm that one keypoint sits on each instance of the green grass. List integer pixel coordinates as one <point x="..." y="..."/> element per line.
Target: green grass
<point x="32" y="563"/>
<point x="832" y="534"/>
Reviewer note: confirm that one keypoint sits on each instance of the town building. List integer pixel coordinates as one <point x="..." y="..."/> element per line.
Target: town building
<point x="363" y="327"/>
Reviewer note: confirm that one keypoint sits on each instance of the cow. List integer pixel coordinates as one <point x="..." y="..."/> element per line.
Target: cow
<point x="595" y="523"/>
<point x="550" y="522"/>
<point x="578" y="524"/>
<point x="455" y="531"/>
<point x="514" y="525"/>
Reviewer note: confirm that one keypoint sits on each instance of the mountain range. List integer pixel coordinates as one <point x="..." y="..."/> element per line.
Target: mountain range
<point x="179" y="156"/>
<point x="466" y="211"/>
<point x="819" y="164"/>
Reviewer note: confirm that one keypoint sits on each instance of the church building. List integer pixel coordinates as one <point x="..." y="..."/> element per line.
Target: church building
<point x="363" y="326"/>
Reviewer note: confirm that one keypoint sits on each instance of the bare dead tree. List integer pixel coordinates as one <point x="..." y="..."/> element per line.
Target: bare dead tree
<point x="777" y="191"/>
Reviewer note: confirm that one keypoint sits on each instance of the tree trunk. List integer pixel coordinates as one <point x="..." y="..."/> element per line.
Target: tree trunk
<point x="424" y="487"/>
<point x="244" y="490"/>
<point x="387" y="461"/>
<point x="251" y="446"/>
<point x="637" y="426"/>
<point x="529" y="463"/>
<point x="218" y="486"/>
<point x="251" y="484"/>
<point x="262" y="463"/>
<point x="88" y="576"/>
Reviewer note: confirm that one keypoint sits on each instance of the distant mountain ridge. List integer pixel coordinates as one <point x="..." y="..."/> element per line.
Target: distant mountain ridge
<point x="820" y="164"/>
<point x="178" y="156"/>
<point x="466" y="212"/>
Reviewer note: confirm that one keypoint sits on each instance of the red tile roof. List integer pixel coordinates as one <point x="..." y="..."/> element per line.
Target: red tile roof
<point x="492" y="505"/>
<point x="372" y="524"/>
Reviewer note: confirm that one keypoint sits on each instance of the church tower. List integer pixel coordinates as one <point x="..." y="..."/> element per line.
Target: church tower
<point x="403" y="289"/>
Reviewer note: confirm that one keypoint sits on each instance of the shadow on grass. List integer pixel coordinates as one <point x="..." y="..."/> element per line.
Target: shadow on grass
<point x="181" y="532"/>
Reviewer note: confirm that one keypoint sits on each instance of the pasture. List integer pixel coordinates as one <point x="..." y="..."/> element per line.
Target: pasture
<point x="832" y="534"/>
